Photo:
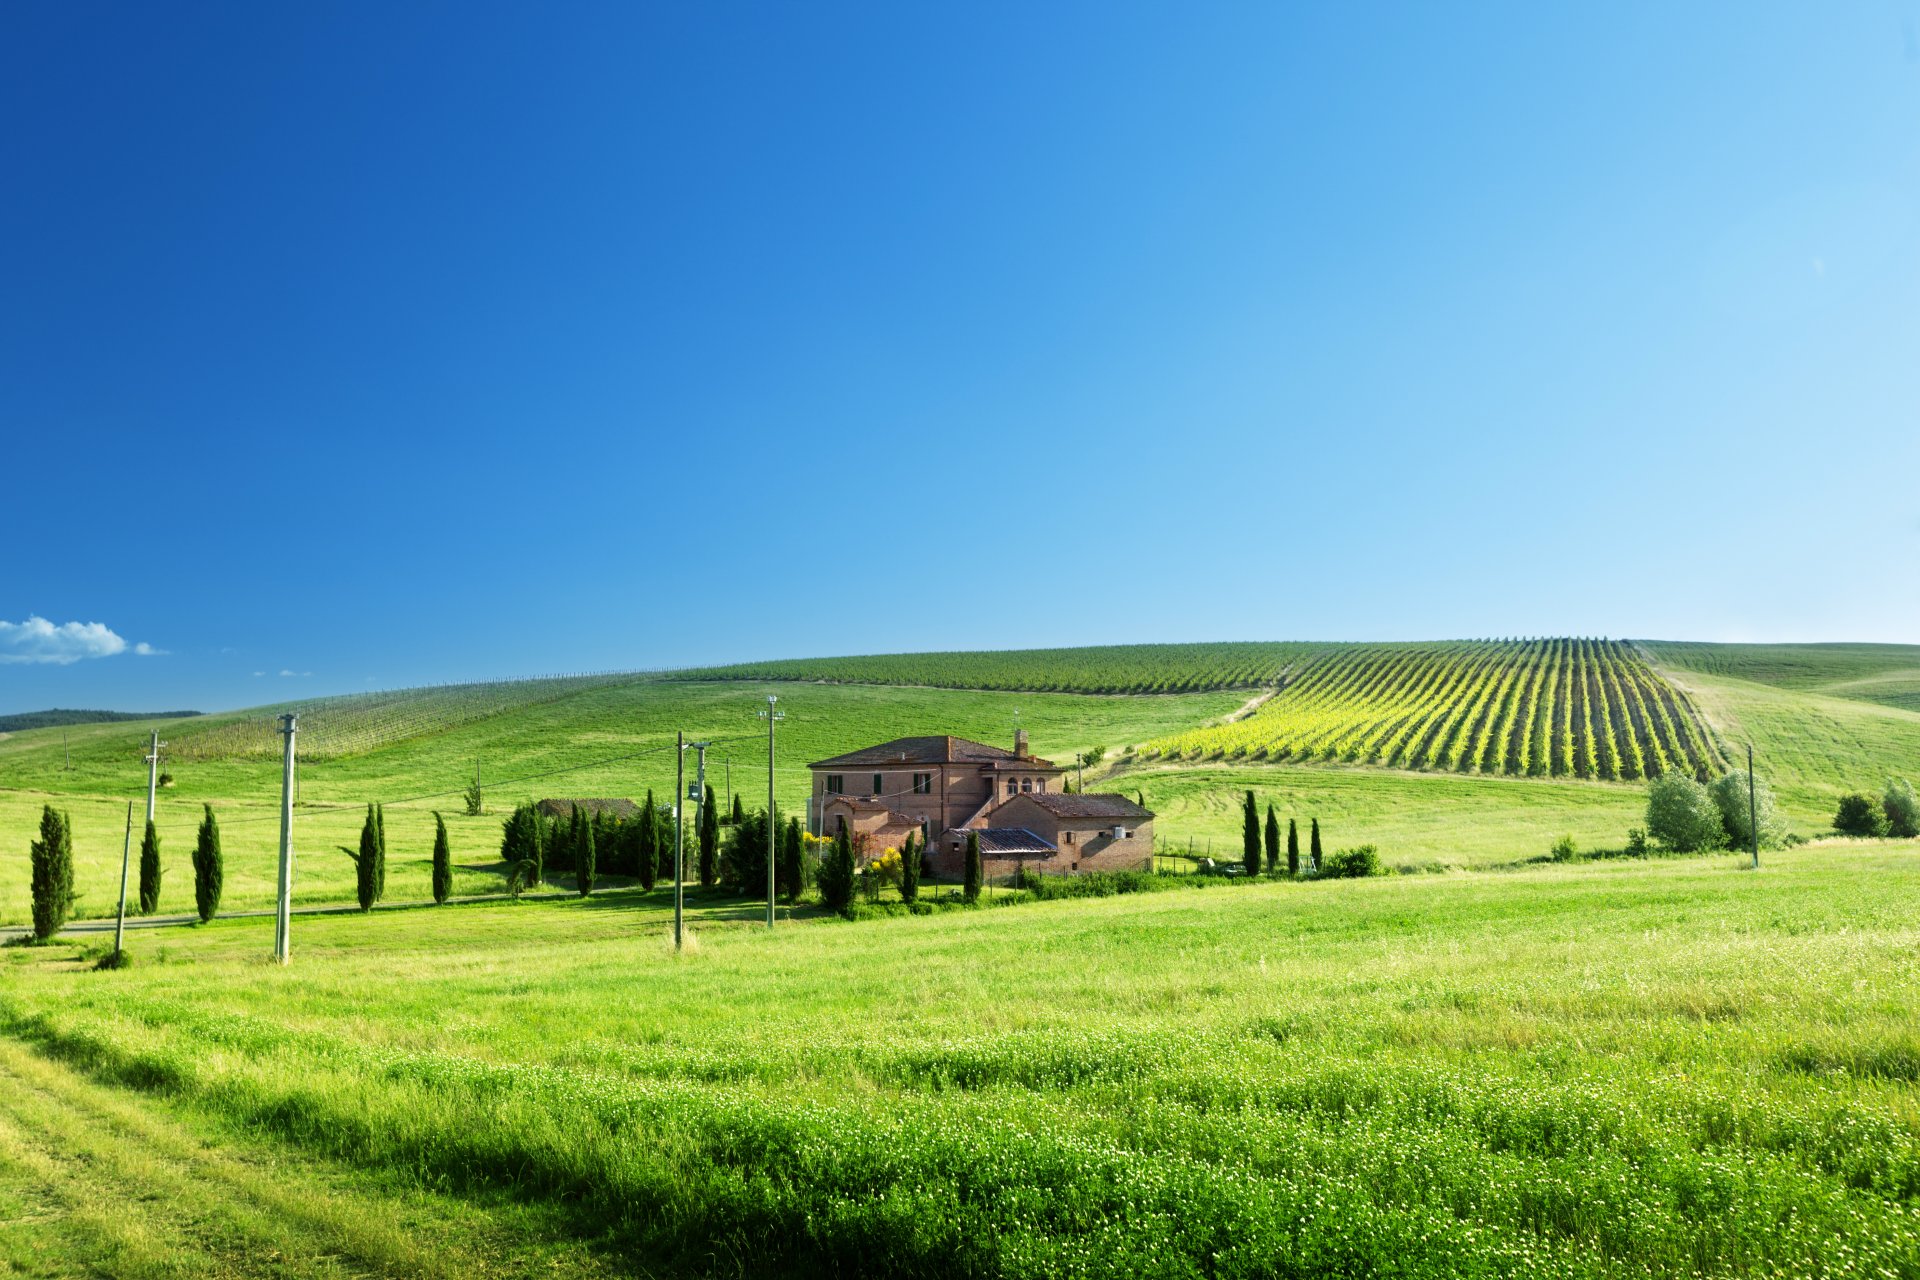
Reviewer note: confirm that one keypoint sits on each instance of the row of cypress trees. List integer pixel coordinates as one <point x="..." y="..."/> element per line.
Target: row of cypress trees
<point x="50" y="871"/>
<point x="1257" y="843"/>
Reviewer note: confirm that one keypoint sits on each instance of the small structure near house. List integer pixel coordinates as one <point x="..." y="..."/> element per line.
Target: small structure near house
<point x="942" y="788"/>
<point x="621" y="810"/>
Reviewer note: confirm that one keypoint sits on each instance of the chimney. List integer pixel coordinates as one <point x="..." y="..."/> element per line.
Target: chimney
<point x="1020" y="743"/>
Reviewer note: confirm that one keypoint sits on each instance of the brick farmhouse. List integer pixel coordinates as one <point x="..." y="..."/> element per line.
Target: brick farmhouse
<point x="943" y="788"/>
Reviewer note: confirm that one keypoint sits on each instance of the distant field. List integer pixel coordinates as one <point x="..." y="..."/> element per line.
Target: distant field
<point x="1613" y="1069"/>
<point x="1884" y="673"/>
<point x="1536" y="708"/>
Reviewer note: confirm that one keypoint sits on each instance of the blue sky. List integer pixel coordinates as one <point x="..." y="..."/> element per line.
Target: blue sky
<point x="349" y="346"/>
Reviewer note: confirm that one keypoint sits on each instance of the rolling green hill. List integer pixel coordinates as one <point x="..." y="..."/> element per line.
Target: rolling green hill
<point x="1883" y="673"/>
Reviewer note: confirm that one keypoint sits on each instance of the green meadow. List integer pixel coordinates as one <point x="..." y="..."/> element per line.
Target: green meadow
<point x="1612" y="1068"/>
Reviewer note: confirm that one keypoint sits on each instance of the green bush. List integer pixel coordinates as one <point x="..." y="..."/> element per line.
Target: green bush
<point x="1730" y="796"/>
<point x="1682" y="816"/>
<point x="1565" y="849"/>
<point x="1902" y="808"/>
<point x="1858" y="815"/>
<point x="1352" y="864"/>
<point x="1637" y="842"/>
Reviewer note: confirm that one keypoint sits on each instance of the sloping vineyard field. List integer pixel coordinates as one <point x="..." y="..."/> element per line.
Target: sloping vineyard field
<point x="1129" y="668"/>
<point x="1559" y="707"/>
<point x="353" y="724"/>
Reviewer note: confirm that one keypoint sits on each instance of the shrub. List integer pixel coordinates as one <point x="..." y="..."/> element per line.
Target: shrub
<point x="1858" y="815"/>
<point x="208" y="869"/>
<point x="1902" y="808"/>
<point x="442" y="859"/>
<point x="1565" y="849"/>
<point x="1636" y="842"/>
<point x="1682" y="816"/>
<point x="1730" y="795"/>
<point x="51" y="859"/>
<point x="150" y="870"/>
<point x="1352" y="864"/>
<point x="476" y="800"/>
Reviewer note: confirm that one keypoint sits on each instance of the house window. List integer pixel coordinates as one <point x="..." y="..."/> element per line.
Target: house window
<point x="1026" y="784"/>
<point x="877" y="787"/>
<point x="1013" y="788"/>
<point x="1041" y="785"/>
<point x="923" y="784"/>
<point x="835" y="784"/>
<point x="1070" y="837"/>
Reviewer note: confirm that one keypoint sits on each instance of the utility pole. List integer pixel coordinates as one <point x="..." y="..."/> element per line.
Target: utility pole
<point x="679" y="798"/>
<point x="283" y="914"/>
<point x="126" y="856"/>
<point x="1753" y="808"/>
<point x="772" y="716"/>
<point x="153" y="771"/>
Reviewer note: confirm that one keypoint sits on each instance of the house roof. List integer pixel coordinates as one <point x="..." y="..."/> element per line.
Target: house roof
<point x="863" y="804"/>
<point x="622" y="809"/>
<point x="1097" y="805"/>
<point x="1005" y="842"/>
<point x="926" y="749"/>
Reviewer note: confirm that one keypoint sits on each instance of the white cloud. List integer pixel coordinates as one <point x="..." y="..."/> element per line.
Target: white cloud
<point x="37" y="640"/>
<point x="145" y="650"/>
<point x="285" y="672"/>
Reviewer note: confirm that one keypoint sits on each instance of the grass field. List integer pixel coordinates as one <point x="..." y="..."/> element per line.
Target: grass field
<point x="1605" y="1069"/>
<point x="1884" y="673"/>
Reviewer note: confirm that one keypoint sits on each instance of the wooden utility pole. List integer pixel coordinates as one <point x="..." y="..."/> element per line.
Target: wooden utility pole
<point x="283" y="911"/>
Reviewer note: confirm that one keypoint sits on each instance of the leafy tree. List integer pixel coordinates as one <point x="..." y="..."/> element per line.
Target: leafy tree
<point x="836" y="876"/>
<point x="709" y="840"/>
<point x="970" y="887"/>
<point x="1902" y="808"/>
<point x="1313" y="847"/>
<point x="1730" y="796"/>
<point x="1858" y="815"/>
<point x="520" y="875"/>
<point x="1293" y="847"/>
<point x="1273" y="842"/>
<point x="150" y="870"/>
<point x="792" y="871"/>
<point x="1682" y="815"/>
<point x="442" y="860"/>
<point x="1250" y="836"/>
<point x="743" y="858"/>
<point x="208" y="868"/>
<point x="366" y="861"/>
<point x="910" y="869"/>
<point x="51" y="873"/>
<point x="586" y="858"/>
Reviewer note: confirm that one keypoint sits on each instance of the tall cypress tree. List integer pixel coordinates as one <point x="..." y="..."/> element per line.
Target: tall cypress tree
<point x="663" y="840"/>
<point x="150" y="870"/>
<point x="709" y="840"/>
<point x="910" y="869"/>
<point x="970" y="887"/>
<point x="836" y="876"/>
<point x="51" y="862"/>
<point x="1313" y="848"/>
<point x="442" y="860"/>
<point x="208" y="869"/>
<point x="739" y="810"/>
<point x="1273" y="842"/>
<point x="646" y="856"/>
<point x="793" y="875"/>
<point x="380" y="862"/>
<point x="585" y="860"/>
<point x="1250" y="836"/>
<point x="366" y="862"/>
<point x="1293" y="847"/>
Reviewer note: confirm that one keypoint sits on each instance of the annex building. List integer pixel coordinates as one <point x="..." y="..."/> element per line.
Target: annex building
<point x="943" y="788"/>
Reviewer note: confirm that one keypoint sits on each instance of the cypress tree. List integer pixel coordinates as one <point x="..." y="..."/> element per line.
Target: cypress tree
<point x="585" y="860"/>
<point x="51" y="862"/>
<point x="1293" y="847"/>
<point x="150" y="870"/>
<point x="663" y="841"/>
<point x="836" y="876"/>
<point x="910" y="869"/>
<point x="792" y="874"/>
<point x="1273" y="842"/>
<point x="366" y="862"/>
<point x="1250" y="836"/>
<point x="970" y="887"/>
<point x="537" y="853"/>
<point x="380" y="860"/>
<point x="739" y="811"/>
<point x="709" y="840"/>
<point x="1313" y="848"/>
<point x="208" y="871"/>
<point x="646" y="856"/>
<point x="442" y="860"/>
